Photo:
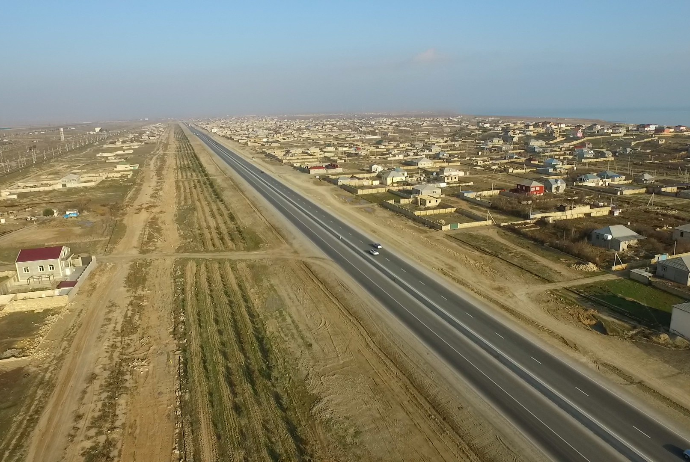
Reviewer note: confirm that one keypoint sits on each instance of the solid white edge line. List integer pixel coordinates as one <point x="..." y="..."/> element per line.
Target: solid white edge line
<point x="488" y="343"/>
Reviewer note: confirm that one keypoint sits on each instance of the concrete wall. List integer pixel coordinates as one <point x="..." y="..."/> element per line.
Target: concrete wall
<point x="36" y="304"/>
<point x="37" y="294"/>
<point x="641" y="276"/>
<point x="577" y="212"/>
<point x="680" y="323"/>
<point x="91" y="266"/>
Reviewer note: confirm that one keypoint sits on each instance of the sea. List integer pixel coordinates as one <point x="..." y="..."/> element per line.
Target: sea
<point x="659" y="116"/>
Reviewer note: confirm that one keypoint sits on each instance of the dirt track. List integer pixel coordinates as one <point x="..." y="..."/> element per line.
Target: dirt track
<point x="206" y="334"/>
<point x="657" y="377"/>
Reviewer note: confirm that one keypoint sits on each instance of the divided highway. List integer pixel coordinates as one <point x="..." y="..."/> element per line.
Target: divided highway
<point x="565" y="413"/>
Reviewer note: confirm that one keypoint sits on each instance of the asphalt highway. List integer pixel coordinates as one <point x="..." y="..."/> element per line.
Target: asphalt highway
<point x="566" y="414"/>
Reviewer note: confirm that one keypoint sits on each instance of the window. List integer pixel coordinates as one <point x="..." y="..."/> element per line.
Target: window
<point x="41" y="268"/>
<point x="51" y="267"/>
<point x="26" y="269"/>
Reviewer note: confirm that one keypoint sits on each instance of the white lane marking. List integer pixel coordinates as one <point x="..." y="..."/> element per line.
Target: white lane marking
<point x="581" y="391"/>
<point x="488" y="343"/>
<point x="642" y="432"/>
<point x="500" y="335"/>
<point x="535" y="359"/>
<point x="386" y="258"/>
<point x="443" y="297"/>
<point x="468" y="315"/>
<point x="422" y="283"/>
<point x="403" y="270"/>
<point x="444" y="341"/>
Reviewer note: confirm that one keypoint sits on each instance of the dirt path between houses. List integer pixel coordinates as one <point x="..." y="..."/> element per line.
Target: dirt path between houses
<point x="84" y="414"/>
<point x="659" y="379"/>
<point x="208" y="320"/>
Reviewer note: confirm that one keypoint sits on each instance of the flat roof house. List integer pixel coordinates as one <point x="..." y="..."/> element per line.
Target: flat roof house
<point x="615" y="237"/>
<point x="45" y="263"/>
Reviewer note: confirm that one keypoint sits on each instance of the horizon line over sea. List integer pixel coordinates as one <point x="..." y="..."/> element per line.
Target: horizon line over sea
<point x="659" y="116"/>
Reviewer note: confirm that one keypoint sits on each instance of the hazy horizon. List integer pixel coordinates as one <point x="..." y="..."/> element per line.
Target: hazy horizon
<point x="90" y="61"/>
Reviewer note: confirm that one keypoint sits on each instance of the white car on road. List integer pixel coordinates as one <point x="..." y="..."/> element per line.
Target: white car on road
<point x="373" y="251"/>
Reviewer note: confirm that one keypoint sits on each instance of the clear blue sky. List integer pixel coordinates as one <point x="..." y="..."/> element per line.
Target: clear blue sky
<point x="73" y="61"/>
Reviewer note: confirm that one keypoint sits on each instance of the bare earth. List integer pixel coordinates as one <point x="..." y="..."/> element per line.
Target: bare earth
<point x="658" y="377"/>
<point x="149" y="370"/>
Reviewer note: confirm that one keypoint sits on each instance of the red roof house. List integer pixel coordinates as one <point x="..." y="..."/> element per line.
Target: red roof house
<point x="43" y="263"/>
<point x="530" y="187"/>
<point x="42" y="253"/>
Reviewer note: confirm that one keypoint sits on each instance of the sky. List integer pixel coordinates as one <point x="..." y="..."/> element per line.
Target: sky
<point x="72" y="61"/>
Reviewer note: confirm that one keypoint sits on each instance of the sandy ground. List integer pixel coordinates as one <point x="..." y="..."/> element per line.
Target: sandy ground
<point x="368" y="391"/>
<point x="657" y="377"/>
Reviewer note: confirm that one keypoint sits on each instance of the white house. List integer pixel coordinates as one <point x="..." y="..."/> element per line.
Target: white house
<point x="426" y="190"/>
<point x="43" y="263"/>
<point x="394" y="176"/>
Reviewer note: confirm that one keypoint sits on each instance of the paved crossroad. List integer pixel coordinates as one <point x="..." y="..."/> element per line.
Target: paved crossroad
<point x="567" y="414"/>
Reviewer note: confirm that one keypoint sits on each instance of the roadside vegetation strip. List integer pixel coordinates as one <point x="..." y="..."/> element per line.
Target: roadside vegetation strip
<point x="205" y="219"/>
<point x="497" y="250"/>
<point x="647" y="305"/>
<point x="241" y="400"/>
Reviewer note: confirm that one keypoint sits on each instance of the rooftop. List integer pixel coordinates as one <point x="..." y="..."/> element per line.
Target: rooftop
<point x="42" y="253"/>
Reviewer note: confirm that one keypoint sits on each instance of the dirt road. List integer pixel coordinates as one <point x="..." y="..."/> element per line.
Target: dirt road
<point x="658" y="378"/>
<point x="212" y="333"/>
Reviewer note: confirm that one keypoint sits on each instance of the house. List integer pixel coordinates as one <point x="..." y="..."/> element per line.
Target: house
<point x="588" y="179"/>
<point x="394" y="176"/>
<point x="682" y="233"/>
<point x="602" y="154"/>
<point x="376" y="168"/>
<point x="69" y="180"/>
<point x="127" y="167"/>
<point x="43" y="263"/>
<point x="536" y="143"/>
<point x="420" y="162"/>
<point x="646" y="178"/>
<point x="554" y="185"/>
<point x="426" y="190"/>
<point x="584" y="153"/>
<point x="680" y="320"/>
<point x="450" y="174"/>
<point x="553" y="163"/>
<point x="530" y="187"/>
<point x="675" y="269"/>
<point x="607" y="176"/>
<point x="316" y="170"/>
<point x="428" y="201"/>
<point x="646" y="127"/>
<point x="614" y="237"/>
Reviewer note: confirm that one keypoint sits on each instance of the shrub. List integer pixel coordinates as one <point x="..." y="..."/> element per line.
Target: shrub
<point x="48" y="212"/>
